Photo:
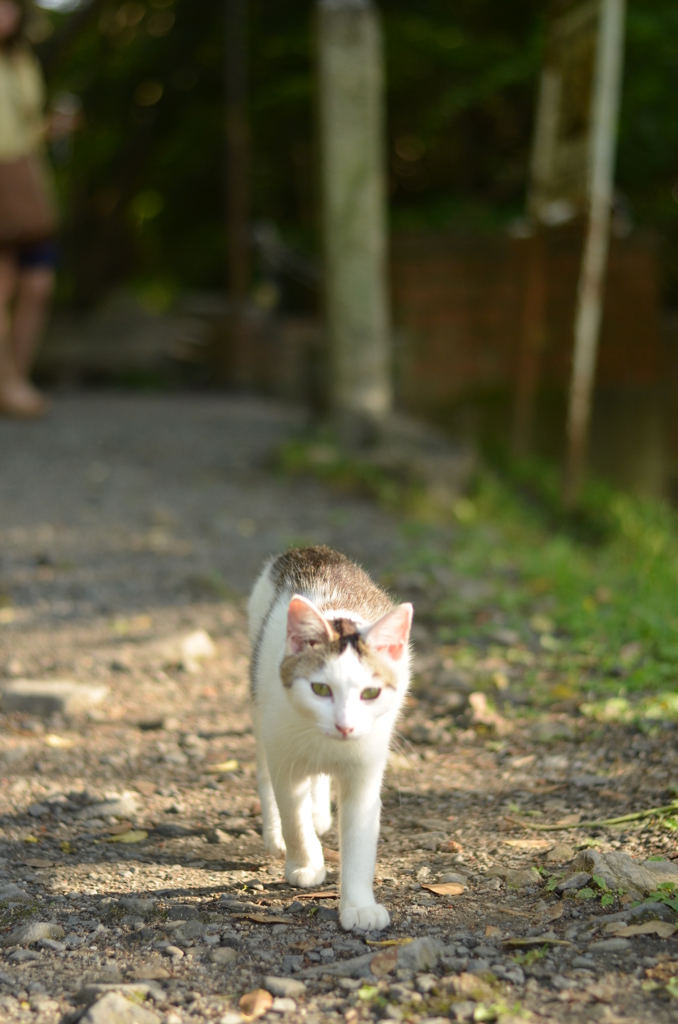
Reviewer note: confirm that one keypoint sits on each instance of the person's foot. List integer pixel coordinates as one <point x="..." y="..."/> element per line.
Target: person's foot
<point x="20" y="399"/>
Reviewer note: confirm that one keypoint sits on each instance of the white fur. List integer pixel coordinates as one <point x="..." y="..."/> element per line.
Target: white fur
<point x="301" y="745"/>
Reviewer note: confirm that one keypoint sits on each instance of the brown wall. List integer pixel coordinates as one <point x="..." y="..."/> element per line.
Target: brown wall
<point x="458" y="306"/>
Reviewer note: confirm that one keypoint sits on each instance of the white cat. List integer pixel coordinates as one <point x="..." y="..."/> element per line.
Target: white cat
<point x="330" y="670"/>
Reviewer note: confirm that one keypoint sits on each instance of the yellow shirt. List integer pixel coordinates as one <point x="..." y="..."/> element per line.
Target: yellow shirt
<point x="22" y="101"/>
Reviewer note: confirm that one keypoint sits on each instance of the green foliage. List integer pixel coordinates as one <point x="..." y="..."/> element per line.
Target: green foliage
<point x="666" y="892"/>
<point x="532" y="956"/>
<point x="144" y="188"/>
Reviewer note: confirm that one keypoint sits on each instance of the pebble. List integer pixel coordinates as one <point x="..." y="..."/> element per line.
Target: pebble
<point x="286" y="988"/>
<point x="173" y="951"/>
<point x="114" y="1008"/>
<point x="282" y="1004"/>
<point x="22" y="956"/>
<point x="575" y="882"/>
<point x="26" y="934"/>
<point x="46" y="697"/>
<point x="610" y="946"/>
<point x="420" y="955"/>
<point x="223" y="956"/>
<point x="125" y="806"/>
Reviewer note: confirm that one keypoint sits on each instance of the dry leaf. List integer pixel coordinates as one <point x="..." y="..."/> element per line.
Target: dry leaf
<point x="492" y="932"/>
<point x="34" y="862"/>
<point x="662" y="929"/>
<point x="384" y="963"/>
<point x="330" y="855"/>
<point x="529" y="844"/>
<point x="664" y="971"/>
<point x="59" y="742"/>
<point x="389" y="942"/>
<point x="554" y="912"/>
<point x="133" y="836"/>
<point x="263" y="918"/>
<point x="31" y="839"/>
<point x="256" y="1003"/>
<point x="222" y="766"/>
<point x="331" y="894"/>
<point x="118" y="830"/>
<point x="67" y="847"/>
<point x="445" y="888"/>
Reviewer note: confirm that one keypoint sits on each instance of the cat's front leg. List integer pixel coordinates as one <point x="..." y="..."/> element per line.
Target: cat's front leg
<point x="359" y="811"/>
<point x="272" y="829"/>
<point x="304" y="865"/>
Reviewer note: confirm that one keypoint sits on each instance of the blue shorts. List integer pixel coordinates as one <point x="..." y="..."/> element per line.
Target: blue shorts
<point x="39" y="254"/>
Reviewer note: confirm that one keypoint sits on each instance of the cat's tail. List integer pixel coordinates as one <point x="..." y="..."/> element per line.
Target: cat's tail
<point x="262" y="597"/>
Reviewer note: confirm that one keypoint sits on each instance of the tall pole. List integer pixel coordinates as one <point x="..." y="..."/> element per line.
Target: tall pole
<point x="353" y="155"/>
<point x="237" y="181"/>
<point x="605" y="113"/>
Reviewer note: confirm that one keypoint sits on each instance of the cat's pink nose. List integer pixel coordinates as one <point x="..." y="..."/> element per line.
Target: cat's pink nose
<point x="344" y="729"/>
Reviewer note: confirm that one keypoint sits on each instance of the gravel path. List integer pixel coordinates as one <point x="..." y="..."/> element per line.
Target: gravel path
<point x="131" y="527"/>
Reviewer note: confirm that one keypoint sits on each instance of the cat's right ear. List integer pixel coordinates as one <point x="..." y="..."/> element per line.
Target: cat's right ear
<point x="306" y="627"/>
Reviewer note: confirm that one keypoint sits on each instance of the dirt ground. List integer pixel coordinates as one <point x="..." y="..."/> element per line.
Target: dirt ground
<point x="130" y="526"/>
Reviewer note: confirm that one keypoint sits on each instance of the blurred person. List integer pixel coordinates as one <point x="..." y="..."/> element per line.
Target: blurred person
<point x="28" y="222"/>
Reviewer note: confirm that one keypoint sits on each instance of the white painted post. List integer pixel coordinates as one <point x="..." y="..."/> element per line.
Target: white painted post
<point x="605" y="113"/>
<point x="352" y="130"/>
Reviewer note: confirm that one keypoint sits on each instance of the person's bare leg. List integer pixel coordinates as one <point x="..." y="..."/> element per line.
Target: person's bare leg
<point x="31" y="306"/>
<point x="18" y="397"/>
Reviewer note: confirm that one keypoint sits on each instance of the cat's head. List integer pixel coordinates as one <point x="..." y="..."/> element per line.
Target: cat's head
<point x="343" y="674"/>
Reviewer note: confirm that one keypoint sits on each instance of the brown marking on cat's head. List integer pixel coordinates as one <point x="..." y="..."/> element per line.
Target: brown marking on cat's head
<point x="344" y="633"/>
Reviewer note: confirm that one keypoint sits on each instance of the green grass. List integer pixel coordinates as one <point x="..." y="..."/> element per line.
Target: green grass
<point x="573" y="607"/>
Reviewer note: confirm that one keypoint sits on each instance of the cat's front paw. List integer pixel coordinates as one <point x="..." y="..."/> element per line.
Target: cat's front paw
<point x="364" y="919"/>
<point x="306" y="876"/>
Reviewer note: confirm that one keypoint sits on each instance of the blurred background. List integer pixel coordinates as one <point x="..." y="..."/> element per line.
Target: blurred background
<point x="144" y="293"/>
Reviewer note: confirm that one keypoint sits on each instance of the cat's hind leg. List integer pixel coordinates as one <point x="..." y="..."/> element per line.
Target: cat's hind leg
<point x="272" y="828"/>
<point x="322" y="810"/>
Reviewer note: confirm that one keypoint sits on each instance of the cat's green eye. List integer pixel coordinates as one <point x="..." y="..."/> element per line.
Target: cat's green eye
<point x="371" y="693"/>
<point x="321" y="689"/>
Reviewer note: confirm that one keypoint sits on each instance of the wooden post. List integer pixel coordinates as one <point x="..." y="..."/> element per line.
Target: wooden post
<point x="351" y="110"/>
<point x="605" y="111"/>
<point x="237" y="184"/>
<point x="531" y="342"/>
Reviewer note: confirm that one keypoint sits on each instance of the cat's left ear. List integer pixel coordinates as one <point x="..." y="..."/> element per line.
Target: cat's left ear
<point x="390" y="633"/>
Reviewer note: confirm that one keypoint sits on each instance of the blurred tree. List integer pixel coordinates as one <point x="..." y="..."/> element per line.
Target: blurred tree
<point x="144" y="185"/>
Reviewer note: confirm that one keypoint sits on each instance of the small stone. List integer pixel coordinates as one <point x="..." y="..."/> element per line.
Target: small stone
<point x="478" y="965"/>
<point x="327" y="914"/>
<point x="463" y="1011"/>
<point x="139" y="906"/>
<point x="125" y="806"/>
<point x="575" y="882"/>
<point x="114" y="1008"/>
<point x="38" y="810"/>
<point x="650" y="912"/>
<point x="230" y="1017"/>
<point x="173" y="951"/>
<point x="11" y="893"/>
<point x="583" y="961"/>
<point x="223" y="956"/>
<point x="426" y="983"/>
<point x="52" y="945"/>
<point x="286" y="988"/>
<point x="50" y="696"/>
<point x="137" y="991"/>
<point x="281" y="1004"/>
<point x="26" y="934"/>
<point x="419" y="955"/>
<point x="454" y="876"/>
<point x="183" y="912"/>
<point x="22" y="956"/>
<point x="610" y="946"/>
<point x="561" y="853"/>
